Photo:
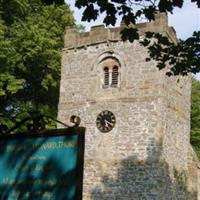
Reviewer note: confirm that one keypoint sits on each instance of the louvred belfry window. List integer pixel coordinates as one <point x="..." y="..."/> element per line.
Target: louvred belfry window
<point x="106" y="77"/>
<point x="110" y="73"/>
<point x="115" y="74"/>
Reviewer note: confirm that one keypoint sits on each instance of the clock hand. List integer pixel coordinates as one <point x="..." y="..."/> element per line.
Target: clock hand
<point x="108" y="123"/>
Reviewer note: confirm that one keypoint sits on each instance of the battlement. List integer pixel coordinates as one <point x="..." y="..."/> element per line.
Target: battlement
<point x="100" y="34"/>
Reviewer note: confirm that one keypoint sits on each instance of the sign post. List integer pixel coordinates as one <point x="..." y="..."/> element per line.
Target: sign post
<point x="46" y="166"/>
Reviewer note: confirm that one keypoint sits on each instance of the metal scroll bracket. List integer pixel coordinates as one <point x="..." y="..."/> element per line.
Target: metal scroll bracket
<point x="75" y="120"/>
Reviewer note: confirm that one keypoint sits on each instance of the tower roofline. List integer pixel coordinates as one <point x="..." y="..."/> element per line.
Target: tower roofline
<point x="100" y="34"/>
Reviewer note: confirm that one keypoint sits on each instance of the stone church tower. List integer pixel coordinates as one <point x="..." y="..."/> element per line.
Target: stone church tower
<point x="137" y="119"/>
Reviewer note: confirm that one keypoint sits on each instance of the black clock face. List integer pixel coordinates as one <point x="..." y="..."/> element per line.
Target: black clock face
<point x="105" y="121"/>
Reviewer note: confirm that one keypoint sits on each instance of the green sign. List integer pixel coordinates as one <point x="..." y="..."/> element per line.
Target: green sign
<point x="42" y="167"/>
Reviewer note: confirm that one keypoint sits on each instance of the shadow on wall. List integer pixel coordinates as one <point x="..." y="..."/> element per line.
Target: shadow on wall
<point x="144" y="180"/>
<point x="51" y="183"/>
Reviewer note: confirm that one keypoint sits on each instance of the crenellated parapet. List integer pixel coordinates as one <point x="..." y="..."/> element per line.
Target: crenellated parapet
<point x="100" y="34"/>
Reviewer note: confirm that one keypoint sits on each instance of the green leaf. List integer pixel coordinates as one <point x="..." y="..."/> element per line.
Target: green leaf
<point x="130" y="34"/>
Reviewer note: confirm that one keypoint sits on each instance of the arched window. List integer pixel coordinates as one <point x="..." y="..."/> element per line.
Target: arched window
<point x="110" y="68"/>
<point x="115" y="74"/>
<point x="106" y="77"/>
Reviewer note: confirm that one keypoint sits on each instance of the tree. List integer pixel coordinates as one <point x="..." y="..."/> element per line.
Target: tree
<point x="30" y="43"/>
<point x="9" y="83"/>
<point x="184" y="57"/>
<point x="195" y="116"/>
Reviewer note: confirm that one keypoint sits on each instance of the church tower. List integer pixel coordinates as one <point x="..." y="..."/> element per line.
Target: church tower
<point x="137" y="119"/>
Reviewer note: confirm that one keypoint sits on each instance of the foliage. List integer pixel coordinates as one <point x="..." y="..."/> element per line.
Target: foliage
<point x="183" y="57"/>
<point x="195" y="116"/>
<point x="30" y="43"/>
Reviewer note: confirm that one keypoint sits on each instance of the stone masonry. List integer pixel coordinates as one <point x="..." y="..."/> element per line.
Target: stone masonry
<point x="147" y="156"/>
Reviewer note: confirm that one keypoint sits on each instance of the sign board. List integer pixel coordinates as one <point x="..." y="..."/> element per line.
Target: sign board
<point x="45" y="166"/>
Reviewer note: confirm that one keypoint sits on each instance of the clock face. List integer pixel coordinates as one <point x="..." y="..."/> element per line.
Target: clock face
<point x="105" y="121"/>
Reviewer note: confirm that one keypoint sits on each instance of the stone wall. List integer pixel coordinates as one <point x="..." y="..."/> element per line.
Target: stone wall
<point x="176" y="135"/>
<point x="145" y="155"/>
